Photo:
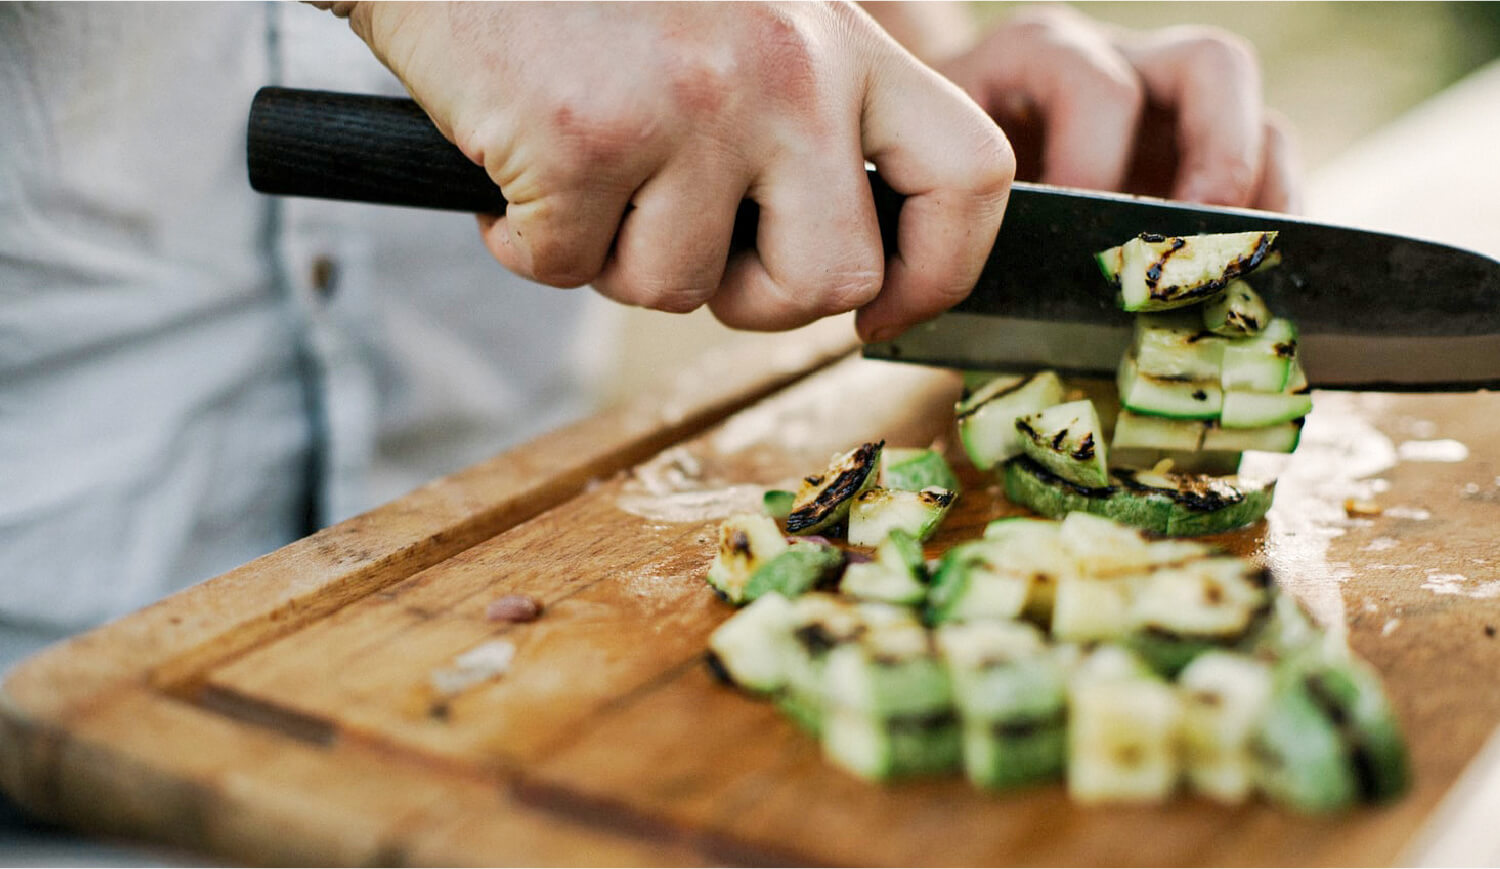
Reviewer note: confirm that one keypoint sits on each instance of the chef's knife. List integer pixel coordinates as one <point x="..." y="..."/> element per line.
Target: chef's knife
<point x="1374" y="310"/>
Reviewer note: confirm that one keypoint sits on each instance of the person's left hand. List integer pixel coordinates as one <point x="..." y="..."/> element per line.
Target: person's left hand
<point x="1175" y="112"/>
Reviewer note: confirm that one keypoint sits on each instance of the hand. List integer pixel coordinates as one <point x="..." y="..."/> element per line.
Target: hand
<point x="625" y="136"/>
<point x="1175" y="112"/>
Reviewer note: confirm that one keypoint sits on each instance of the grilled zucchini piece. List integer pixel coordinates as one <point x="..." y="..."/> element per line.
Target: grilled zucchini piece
<point x="1067" y="440"/>
<point x="1237" y="312"/>
<point x="819" y="623"/>
<point x="1161" y="272"/>
<point x="889" y="705"/>
<point x="752" y="646"/>
<point x="974" y="581"/>
<point x="1256" y="410"/>
<point x="877" y="512"/>
<point x="1172" y="504"/>
<point x="746" y="542"/>
<point x="802" y="567"/>
<point x="825" y="498"/>
<point x="987" y="419"/>
<point x="1122" y="735"/>
<point x="916" y="469"/>
<point x="1280" y="438"/>
<point x="1175" y="346"/>
<point x="1223" y="697"/>
<point x="1349" y="693"/>
<point x="898" y="574"/>
<point x="1010" y="690"/>
<point x="1300" y="758"/>
<point x="1168" y="397"/>
<point x="777" y="503"/>
<point x="1263" y="362"/>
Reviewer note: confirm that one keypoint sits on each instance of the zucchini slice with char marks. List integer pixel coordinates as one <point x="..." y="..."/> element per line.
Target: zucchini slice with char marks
<point x="1175" y="505"/>
<point x="1068" y="440"/>
<point x="825" y="498"/>
<point x="1160" y="272"/>
<point x="877" y="512"/>
<point x="1223" y="696"/>
<point x="1122" y="732"/>
<point x="897" y="575"/>
<point x="1237" y="312"/>
<point x="987" y="419"/>
<point x="746" y="542"/>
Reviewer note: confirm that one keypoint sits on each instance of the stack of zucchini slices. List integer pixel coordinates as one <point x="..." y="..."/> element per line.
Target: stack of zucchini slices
<point x="1076" y="651"/>
<point x="1209" y="374"/>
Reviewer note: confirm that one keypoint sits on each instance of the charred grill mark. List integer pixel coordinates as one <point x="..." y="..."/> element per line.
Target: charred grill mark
<point x="1023" y="728"/>
<point x="1194" y="339"/>
<point x="1151" y="238"/>
<point x="813" y="479"/>
<point x="935" y="498"/>
<point x="815" y="639"/>
<point x="739" y="543"/>
<point x="1085" y="449"/>
<point x="1235" y="268"/>
<point x="1153" y="271"/>
<point x="1025" y="428"/>
<point x="860" y="465"/>
<point x="1197" y="492"/>
<point x="924" y="720"/>
<point x="1285" y="350"/>
<point x="1058" y="439"/>
<point x="1200" y="395"/>
<point x="1030" y="466"/>
<point x="717" y="669"/>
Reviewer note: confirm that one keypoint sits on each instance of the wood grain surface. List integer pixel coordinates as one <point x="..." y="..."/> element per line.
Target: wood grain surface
<point x="287" y="713"/>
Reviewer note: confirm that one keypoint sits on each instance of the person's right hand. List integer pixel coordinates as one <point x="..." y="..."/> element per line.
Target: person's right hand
<point x="625" y="136"/>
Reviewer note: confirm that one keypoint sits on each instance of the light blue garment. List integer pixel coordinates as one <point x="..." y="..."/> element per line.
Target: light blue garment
<point x="186" y="367"/>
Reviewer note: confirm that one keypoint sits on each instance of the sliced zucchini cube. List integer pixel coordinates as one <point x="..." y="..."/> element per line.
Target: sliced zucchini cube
<point x="972" y="581"/>
<point x="916" y="469"/>
<point x="1175" y="346"/>
<point x="746" y="541"/>
<point x="1068" y="440"/>
<point x="1122" y="735"/>
<point x="1168" y="397"/>
<point x="1263" y="362"/>
<point x="1237" y="312"/>
<point x="802" y="567"/>
<point x="752" y="646"/>
<point x="897" y="575"/>
<point x="1223" y="696"/>
<point x="877" y="512"/>
<point x="876" y="749"/>
<point x="987" y="419"/>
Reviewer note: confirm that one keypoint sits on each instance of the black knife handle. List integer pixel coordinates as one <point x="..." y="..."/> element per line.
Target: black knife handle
<point x="360" y="148"/>
<point x="385" y="150"/>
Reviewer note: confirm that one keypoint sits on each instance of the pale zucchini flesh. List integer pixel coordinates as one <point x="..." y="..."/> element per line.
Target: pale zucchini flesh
<point x="1162" y="272"/>
<point x="1175" y="399"/>
<point x="1236" y="312"/>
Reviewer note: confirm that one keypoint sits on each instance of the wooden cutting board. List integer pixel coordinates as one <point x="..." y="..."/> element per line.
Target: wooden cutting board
<point x="286" y="712"/>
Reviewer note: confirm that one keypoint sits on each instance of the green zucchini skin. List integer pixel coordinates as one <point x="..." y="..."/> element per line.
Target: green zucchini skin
<point x="987" y="419"/>
<point x="801" y="568"/>
<point x="1212" y="508"/>
<point x="915" y="470"/>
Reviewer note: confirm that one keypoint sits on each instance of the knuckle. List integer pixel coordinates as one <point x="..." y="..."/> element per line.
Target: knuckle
<point x="556" y="263"/>
<point x="669" y="296"/>
<point x="994" y="166"/>
<point x="1221" y="51"/>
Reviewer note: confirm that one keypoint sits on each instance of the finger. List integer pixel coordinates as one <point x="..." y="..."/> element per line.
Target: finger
<point x="1212" y="79"/>
<point x="955" y="168"/>
<point x="562" y="239"/>
<point x="1281" y="178"/>
<point x="1054" y="67"/>
<point x="817" y="249"/>
<point x="673" y="246"/>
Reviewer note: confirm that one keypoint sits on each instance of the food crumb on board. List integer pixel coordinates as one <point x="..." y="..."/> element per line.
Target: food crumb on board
<point x="482" y="662"/>
<point x="1489" y="631"/>
<point x="513" y="608"/>
<point x="1357" y="508"/>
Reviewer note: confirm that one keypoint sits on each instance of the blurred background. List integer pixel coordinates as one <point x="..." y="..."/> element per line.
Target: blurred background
<point x="1339" y="71"/>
